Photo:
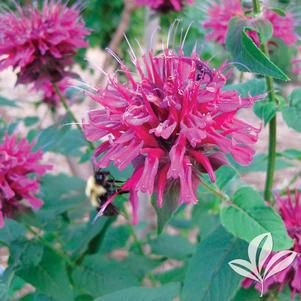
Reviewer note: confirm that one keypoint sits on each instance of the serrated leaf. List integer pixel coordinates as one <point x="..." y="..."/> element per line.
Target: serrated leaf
<point x="248" y="216"/>
<point x="208" y="276"/>
<point x="172" y="246"/>
<point x="98" y="276"/>
<point x="25" y="253"/>
<point x="292" y="113"/>
<point x="291" y="154"/>
<point x="265" y="110"/>
<point x="11" y="231"/>
<point x="49" y="277"/>
<point x="247" y="56"/>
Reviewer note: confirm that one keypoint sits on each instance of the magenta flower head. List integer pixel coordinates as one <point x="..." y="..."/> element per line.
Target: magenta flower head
<point x="283" y="26"/>
<point x="164" y="5"/>
<point x="40" y="44"/>
<point x="19" y="168"/>
<point x="220" y="14"/>
<point x="172" y="122"/>
<point x="290" y="211"/>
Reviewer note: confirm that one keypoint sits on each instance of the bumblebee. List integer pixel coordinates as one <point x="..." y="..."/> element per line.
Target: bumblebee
<point x="99" y="188"/>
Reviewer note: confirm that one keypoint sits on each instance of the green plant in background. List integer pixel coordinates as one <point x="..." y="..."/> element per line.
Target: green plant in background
<point x="172" y="122"/>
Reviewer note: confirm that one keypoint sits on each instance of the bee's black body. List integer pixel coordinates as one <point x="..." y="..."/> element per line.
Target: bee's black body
<point x="105" y="179"/>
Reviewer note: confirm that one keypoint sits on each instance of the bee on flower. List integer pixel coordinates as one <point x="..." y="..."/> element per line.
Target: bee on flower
<point x="172" y="121"/>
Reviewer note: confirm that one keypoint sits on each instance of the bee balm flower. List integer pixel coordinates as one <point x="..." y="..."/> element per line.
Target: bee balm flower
<point x="221" y="14"/>
<point x="164" y="5"/>
<point x="219" y="18"/>
<point x="19" y="167"/>
<point x="172" y="123"/>
<point x="40" y="43"/>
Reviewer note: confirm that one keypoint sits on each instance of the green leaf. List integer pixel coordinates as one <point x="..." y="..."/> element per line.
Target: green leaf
<point x="61" y="139"/>
<point x="291" y="154"/>
<point x="250" y="294"/>
<point x="292" y="113"/>
<point x="164" y="293"/>
<point x="60" y="193"/>
<point x="172" y="246"/>
<point x="25" y="253"/>
<point x="283" y="55"/>
<point x="173" y="275"/>
<point x="253" y="87"/>
<point x="77" y="239"/>
<point x="224" y="175"/>
<point x="248" y="216"/>
<point x="4" y="289"/>
<point x="246" y="55"/>
<point x="265" y="110"/>
<point x="5" y="102"/>
<point x="279" y="11"/>
<point x="11" y="231"/>
<point x="36" y="297"/>
<point x="115" y="238"/>
<point x="49" y="277"/>
<point x="208" y="276"/>
<point x="265" y="29"/>
<point x="98" y="276"/>
<point x="31" y="120"/>
<point x="208" y="223"/>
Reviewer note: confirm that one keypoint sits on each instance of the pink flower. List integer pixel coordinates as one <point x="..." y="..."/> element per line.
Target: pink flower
<point x="221" y="14"/>
<point x="290" y="211"/>
<point x="19" y="167"/>
<point x="164" y="5"/>
<point x="283" y="26"/>
<point x="172" y="121"/>
<point x="41" y="43"/>
<point x="50" y="97"/>
<point x="219" y="18"/>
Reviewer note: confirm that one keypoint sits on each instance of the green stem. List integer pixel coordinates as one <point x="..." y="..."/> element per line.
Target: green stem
<point x="133" y="233"/>
<point x="67" y="108"/>
<point x="272" y="134"/>
<point x="50" y="246"/>
<point x="272" y="123"/>
<point x="256" y="6"/>
<point x="221" y="195"/>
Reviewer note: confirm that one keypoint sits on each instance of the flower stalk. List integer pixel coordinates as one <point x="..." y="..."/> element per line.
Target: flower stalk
<point x="68" y="110"/>
<point x="272" y="123"/>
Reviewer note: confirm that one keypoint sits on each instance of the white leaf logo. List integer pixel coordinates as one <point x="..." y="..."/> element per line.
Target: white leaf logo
<point x="260" y="248"/>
